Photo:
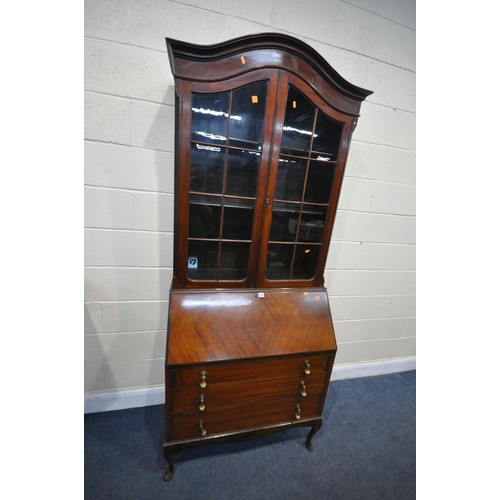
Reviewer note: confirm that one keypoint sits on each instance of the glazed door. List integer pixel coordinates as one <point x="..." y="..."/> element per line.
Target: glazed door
<point x="308" y="157"/>
<point x="223" y="161"/>
<point x="262" y="157"/>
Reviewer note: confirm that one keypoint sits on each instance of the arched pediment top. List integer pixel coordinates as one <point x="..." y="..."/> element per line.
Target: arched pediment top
<point x="274" y="45"/>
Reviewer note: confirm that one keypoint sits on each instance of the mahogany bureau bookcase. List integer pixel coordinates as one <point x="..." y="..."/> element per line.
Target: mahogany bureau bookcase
<point x="262" y="132"/>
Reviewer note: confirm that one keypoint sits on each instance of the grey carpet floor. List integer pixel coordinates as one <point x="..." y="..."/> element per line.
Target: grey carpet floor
<point x="365" y="450"/>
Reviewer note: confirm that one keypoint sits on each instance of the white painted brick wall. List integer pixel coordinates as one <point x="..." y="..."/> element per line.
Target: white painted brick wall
<point x="129" y="173"/>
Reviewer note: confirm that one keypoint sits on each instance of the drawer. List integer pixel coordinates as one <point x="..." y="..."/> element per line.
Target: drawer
<point x="244" y="417"/>
<point x="256" y="369"/>
<point x="217" y="396"/>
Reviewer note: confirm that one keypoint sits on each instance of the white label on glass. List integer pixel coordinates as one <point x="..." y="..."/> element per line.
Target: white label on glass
<point x="192" y="262"/>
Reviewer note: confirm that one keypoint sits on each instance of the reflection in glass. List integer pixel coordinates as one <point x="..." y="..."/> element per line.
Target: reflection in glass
<point x="202" y="259"/>
<point x="312" y="223"/>
<point x="279" y="260"/>
<point x="238" y="219"/>
<point x="204" y="216"/>
<point x="234" y="260"/>
<point x="298" y="124"/>
<point x="242" y="173"/>
<point x="284" y="222"/>
<point x="327" y="134"/>
<point x="209" y="117"/>
<point x="290" y="179"/>
<point x="319" y="182"/>
<point x="247" y="116"/>
<point x="207" y="169"/>
<point x="304" y="263"/>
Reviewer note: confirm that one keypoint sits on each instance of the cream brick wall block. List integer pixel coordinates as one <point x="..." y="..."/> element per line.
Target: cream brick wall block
<point x="153" y="345"/>
<point x="374" y="329"/>
<point x="112" y="347"/>
<point x="403" y="306"/>
<point x="400" y="11"/>
<point x="371" y="283"/>
<point x="107" y="118"/>
<point x="110" y="283"/>
<point x="154" y="284"/>
<point x="372" y="307"/>
<point x="127" y="167"/>
<point x="404" y="131"/>
<point x="138" y="316"/>
<point x="258" y="10"/>
<point x="108" y="208"/>
<point x="380" y="38"/>
<point x="356" y="194"/>
<point x="91" y="318"/>
<point x="342" y="255"/>
<point x="397" y="199"/>
<point x="93" y="377"/>
<point x="152" y="20"/>
<point x="88" y="250"/>
<point x="375" y="124"/>
<point x="371" y="256"/>
<point x="376" y="228"/>
<point x="154" y="211"/>
<point x="128" y="71"/>
<point x="385" y="80"/>
<point x="235" y="27"/>
<point x="107" y="19"/>
<point x="127" y="374"/>
<point x="379" y="350"/>
<point x="381" y="256"/>
<point x="152" y="126"/>
<point x="133" y="248"/>
<point x="326" y="20"/>
<point x="372" y="161"/>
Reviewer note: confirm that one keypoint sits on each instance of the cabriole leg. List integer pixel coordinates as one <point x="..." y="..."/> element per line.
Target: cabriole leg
<point x="314" y="429"/>
<point x="170" y="472"/>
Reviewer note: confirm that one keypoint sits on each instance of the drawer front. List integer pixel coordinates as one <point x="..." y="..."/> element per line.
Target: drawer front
<point x="244" y="417"/>
<point x="258" y="369"/>
<point x="217" y="396"/>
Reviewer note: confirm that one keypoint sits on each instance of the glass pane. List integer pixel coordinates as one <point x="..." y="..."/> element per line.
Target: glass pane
<point x="204" y="216"/>
<point x="327" y="136"/>
<point x="209" y="117"/>
<point x="312" y="223"/>
<point x="207" y="168"/>
<point x="290" y="179"/>
<point x="234" y="261"/>
<point x="319" y="181"/>
<point x="242" y="173"/>
<point x="298" y="124"/>
<point x="279" y="259"/>
<point x="247" y="116"/>
<point x="284" y="221"/>
<point x="202" y="260"/>
<point x="304" y="264"/>
<point x="238" y="219"/>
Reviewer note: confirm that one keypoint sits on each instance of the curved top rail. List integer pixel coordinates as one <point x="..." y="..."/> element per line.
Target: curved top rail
<point x="262" y="41"/>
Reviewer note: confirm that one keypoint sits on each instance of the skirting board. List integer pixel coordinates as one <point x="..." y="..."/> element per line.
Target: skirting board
<point x="359" y="370"/>
<point x="122" y="400"/>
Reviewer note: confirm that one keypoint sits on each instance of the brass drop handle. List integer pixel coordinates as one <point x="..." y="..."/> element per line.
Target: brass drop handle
<point x="307" y="367"/>
<point x="302" y="386"/>
<point x="202" y="402"/>
<point x="203" y="431"/>
<point x="298" y="409"/>
<point x="203" y="376"/>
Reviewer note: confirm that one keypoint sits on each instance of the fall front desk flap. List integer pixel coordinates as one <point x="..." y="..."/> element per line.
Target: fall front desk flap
<point x="227" y="325"/>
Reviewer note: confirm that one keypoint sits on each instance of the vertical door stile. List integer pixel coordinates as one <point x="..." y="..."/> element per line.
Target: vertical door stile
<point x="276" y="120"/>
